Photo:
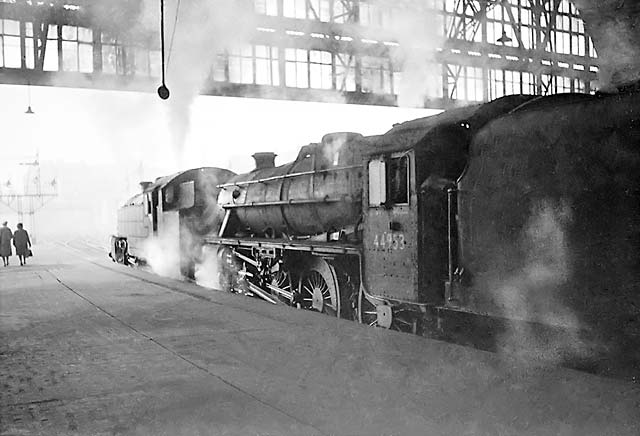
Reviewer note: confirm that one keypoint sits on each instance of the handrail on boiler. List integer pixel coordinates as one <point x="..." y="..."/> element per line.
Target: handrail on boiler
<point x="344" y="199"/>
<point x="286" y="176"/>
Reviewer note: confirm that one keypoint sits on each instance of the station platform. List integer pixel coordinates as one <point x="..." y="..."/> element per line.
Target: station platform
<point x="88" y="347"/>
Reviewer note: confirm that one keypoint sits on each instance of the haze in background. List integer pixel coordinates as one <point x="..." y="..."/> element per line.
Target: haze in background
<point x="98" y="145"/>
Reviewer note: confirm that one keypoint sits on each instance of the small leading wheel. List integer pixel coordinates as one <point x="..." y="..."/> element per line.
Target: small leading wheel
<point x="367" y="313"/>
<point x="400" y="319"/>
<point x="318" y="287"/>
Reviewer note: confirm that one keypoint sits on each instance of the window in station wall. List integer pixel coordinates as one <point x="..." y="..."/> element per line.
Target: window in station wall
<point x="69" y="48"/>
<point x="562" y="35"/>
<point x="218" y="69"/>
<point x="546" y="83"/>
<point x="455" y="20"/>
<point x="507" y="82"/>
<point x="512" y="82"/>
<point x="465" y="83"/>
<point x="29" y="46"/>
<point x="592" y="50"/>
<point x="556" y="84"/>
<point x="140" y="61"/>
<point x="375" y="15"/>
<point x="266" y="7"/>
<point x="496" y="84"/>
<point x="342" y="13"/>
<point x="241" y="64"/>
<point x="155" y="63"/>
<point x="527" y="32"/>
<point x="498" y="21"/>
<point x="453" y="83"/>
<point x="474" y="84"/>
<point x="110" y="64"/>
<point x="144" y="61"/>
<point x="266" y="58"/>
<point x="345" y="72"/>
<point x="434" y="79"/>
<point x="563" y="84"/>
<point x="296" y="68"/>
<point x="10" y="55"/>
<point x="294" y="8"/>
<point x="528" y="83"/>
<point x="396" y="77"/>
<point x="320" y="69"/>
<point x="51" y="61"/>
<point x="376" y="74"/>
<point x="579" y="85"/>
<point x="77" y="49"/>
<point x="320" y="10"/>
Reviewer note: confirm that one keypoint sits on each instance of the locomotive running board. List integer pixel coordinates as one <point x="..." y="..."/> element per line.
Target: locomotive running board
<point x="311" y="246"/>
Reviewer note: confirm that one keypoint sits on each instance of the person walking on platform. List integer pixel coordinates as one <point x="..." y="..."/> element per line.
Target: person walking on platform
<point x="5" y="243"/>
<point x="22" y="243"/>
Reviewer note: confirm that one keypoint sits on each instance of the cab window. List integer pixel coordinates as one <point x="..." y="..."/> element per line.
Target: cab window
<point x="398" y="180"/>
<point x="389" y="181"/>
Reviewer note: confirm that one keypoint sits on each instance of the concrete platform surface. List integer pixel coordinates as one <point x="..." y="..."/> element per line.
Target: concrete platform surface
<point x="88" y="347"/>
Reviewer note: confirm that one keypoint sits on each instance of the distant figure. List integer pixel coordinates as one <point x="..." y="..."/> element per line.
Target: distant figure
<point x="5" y="243"/>
<point x="22" y="243"/>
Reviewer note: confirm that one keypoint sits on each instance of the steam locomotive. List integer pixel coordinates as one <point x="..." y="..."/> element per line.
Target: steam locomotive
<point x="523" y="212"/>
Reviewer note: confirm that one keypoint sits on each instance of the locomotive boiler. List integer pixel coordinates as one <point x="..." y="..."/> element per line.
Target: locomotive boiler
<point x="319" y="192"/>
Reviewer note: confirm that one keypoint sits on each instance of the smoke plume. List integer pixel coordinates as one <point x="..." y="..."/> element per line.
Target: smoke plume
<point x="195" y="31"/>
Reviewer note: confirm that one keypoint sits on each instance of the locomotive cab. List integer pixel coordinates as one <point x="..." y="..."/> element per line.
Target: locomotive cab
<point x="165" y="223"/>
<point x="406" y="231"/>
<point x="390" y="227"/>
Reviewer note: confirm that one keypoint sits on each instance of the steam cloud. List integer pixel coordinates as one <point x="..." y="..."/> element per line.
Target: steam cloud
<point x="418" y="39"/>
<point x="531" y="294"/>
<point x="163" y="255"/>
<point x="207" y="272"/>
<point x="613" y="26"/>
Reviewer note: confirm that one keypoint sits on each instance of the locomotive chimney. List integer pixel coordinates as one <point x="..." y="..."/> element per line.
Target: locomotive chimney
<point x="144" y="185"/>
<point x="265" y="160"/>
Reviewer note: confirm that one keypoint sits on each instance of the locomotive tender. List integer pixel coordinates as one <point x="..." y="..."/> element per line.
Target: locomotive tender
<point x="524" y="208"/>
<point x="170" y="214"/>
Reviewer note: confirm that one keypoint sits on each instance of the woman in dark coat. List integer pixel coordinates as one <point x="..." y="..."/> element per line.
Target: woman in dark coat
<point x="22" y="243"/>
<point x="5" y="243"/>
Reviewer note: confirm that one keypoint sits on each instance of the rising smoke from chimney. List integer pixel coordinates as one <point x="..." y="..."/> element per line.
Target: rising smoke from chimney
<point x="195" y="32"/>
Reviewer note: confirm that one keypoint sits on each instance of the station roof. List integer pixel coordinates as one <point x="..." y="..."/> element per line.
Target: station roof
<point x="614" y="26"/>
